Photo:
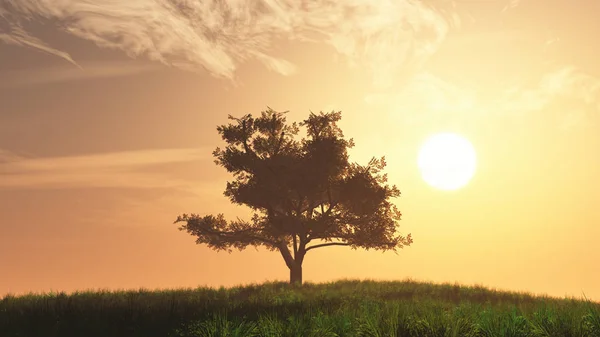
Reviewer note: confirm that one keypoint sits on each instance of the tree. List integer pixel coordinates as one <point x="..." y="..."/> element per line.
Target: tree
<point x="304" y="194"/>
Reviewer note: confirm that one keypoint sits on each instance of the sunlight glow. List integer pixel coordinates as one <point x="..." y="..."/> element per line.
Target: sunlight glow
<point x="447" y="161"/>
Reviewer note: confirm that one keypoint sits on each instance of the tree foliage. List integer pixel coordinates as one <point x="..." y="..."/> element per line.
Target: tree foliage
<point x="304" y="193"/>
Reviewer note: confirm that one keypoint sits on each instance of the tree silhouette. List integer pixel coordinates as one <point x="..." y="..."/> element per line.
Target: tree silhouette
<point x="304" y="194"/>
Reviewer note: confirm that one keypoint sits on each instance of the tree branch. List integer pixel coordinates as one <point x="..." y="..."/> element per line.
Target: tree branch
<point x="204" y="229"/>
<point x="287" y="256"/>
<point x="245" y="140"/>
<point x="279" y="143"/>
<point x="295" y="245"/>
<point x="234" y="236"/>
<point x="328" y="244"/>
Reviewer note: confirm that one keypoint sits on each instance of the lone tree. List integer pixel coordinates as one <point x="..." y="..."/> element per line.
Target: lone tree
<point x="304" y="194"/>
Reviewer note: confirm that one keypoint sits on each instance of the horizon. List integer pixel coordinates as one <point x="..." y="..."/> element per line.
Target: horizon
<point x="582" y="298"/>
<point x="108" y="121"/>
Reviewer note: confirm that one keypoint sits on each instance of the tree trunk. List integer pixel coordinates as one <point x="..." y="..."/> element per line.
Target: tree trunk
<point x="296" y="274"/>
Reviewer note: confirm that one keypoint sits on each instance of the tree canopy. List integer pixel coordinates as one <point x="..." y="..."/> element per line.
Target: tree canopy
<point x="304" y="193"/>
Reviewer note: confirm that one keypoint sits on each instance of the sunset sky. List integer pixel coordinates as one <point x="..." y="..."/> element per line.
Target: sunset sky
<point x="109" y="109"/>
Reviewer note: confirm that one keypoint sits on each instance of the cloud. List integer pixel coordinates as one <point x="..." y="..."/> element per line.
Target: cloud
<point x="218" y="35"/>
<point x="116" y="169"/>
<point x="33" y="76"/>
<point x="565" y="81"/>
<point x="511" y="4"/>
<point x="6" y="157"/>
<point x="566" y="95"/>
<point x="426" y="97"/>
<point x="17" y="36"/>
<point x="578" y="91"/>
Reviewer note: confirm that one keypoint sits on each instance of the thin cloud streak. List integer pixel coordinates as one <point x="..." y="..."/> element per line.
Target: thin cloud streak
<point x="117" y="170"/>
<point x="512" y="4"/>
<point x="19" y="37"/>
<point x="35" y="76"/>
<point x="426" y="97"/>
<point x="218" y="36"/>
<point x="580" y="88"/>
<point x="566" y="81"/>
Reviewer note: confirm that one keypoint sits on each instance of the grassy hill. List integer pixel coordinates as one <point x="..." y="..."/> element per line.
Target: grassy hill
<point x="342" y="308"/>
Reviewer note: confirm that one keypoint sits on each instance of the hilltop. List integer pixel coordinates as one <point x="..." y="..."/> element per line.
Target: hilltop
<point x="341" y="308"/>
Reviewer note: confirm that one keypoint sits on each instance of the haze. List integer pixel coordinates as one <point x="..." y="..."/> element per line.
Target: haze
<point x="108" y="115"/>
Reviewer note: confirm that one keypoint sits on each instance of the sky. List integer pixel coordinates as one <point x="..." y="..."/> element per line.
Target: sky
<point x="109" y="109"/>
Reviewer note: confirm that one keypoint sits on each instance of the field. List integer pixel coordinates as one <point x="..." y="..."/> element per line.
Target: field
<point x="342" y="308"/>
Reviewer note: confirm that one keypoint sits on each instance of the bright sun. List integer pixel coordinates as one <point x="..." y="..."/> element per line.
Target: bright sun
<point x="447" y="161"/>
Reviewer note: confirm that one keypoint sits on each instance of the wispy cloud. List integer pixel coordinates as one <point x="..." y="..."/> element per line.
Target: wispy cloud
<point x="567" y="84"/>
<point x="218" y="36"/>
<point x="511" y="4"/>
<point x="33" y="76"/>
<point x="566" y="81"/>
<point x="116" y="169"/>
<point x="15" y="35"/>
<point x="7" y="157"/>
<point x="428" y="97"/>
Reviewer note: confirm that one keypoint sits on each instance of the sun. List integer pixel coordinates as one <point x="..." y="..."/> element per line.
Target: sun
<point x="447" y="161"/>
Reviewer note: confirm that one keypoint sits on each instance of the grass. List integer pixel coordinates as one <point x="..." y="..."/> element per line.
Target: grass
<point x="343" y="308"/>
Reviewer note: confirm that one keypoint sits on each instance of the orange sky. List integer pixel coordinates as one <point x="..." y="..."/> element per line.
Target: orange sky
<point x="97" y="161"/>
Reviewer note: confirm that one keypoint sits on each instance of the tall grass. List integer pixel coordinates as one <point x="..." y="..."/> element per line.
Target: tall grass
<point x="343" y="308"/>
